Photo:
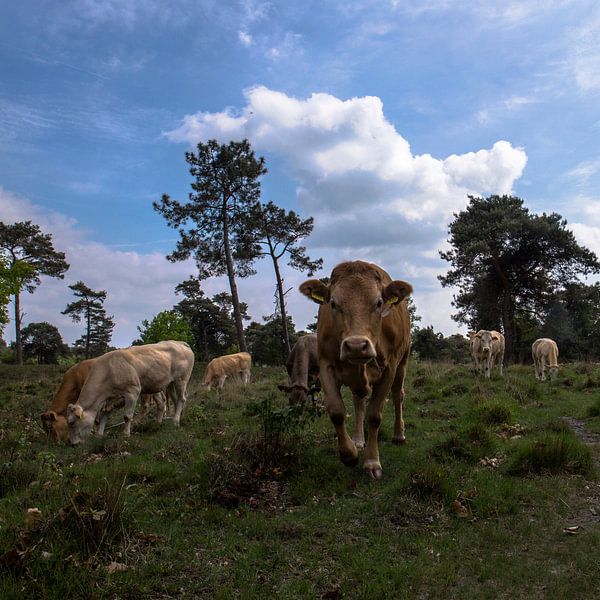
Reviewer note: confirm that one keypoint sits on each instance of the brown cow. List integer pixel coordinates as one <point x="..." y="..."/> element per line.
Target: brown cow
<point x="125" y="374"/>
<point x="487" y="349"/>
<point x="303" y="370"/>
<point x="363" y="333"/>
<point x="545" y="354"/>
<point x="222" y="367"/>
<point x="54" y="420"/>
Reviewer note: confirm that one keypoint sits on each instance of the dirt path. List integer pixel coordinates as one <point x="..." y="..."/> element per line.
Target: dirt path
<point x="585" y="507"/>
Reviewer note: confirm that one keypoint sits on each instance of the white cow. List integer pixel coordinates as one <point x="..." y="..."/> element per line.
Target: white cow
<point x="545" y="354"/>
<point x="487" y="349"/>
<point x="122" y="375"/>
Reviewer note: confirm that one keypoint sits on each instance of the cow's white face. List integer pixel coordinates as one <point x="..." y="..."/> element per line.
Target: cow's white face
<point x="80" y="423"/>
<point x="357" y="304"/>
<point x="485" y="341"/>
<point x="553" y="373"/>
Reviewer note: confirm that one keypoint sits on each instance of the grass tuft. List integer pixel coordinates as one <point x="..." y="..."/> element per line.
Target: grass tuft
<point x="552" y="453"/>
<point x="494" y="413"/>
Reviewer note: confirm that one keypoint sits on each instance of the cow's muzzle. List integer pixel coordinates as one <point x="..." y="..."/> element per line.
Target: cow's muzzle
<point x="357" y="349"/>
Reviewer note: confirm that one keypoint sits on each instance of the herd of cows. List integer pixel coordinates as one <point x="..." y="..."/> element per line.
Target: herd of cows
<point x="362" y="342"/>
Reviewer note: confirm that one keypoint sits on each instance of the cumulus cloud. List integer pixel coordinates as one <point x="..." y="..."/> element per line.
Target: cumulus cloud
<point x="245" y="38"/>
<point x="371" y="197"/>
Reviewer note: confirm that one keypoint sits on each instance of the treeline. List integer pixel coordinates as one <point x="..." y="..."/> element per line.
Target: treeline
<point x="513" y="271"/>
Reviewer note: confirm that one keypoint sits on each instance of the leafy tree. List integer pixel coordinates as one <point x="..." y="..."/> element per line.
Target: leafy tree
<point x="427" y="343"/>
<point x="43" y="342"/>
<point x="99" y="327"/>
<point x="166" y="325"/>
<point x="226" y="187"/>
<point x="30" y="254"/>
<point x="267" y="342"/>
<point x="506" y="261"/>
<point x="211" y="320"/>
<point x="279" y="234"/>
<point x="412" y="315"/>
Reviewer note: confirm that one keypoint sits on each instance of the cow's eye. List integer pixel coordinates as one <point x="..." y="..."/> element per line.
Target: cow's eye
<point x="333" y="305"/>
<point x="379" y="303"/>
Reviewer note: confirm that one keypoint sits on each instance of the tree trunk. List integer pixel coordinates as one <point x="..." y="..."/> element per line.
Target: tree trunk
<point x="18" y="340"/>
<point x="239" y="325"/>
<point x="509" y="325"/>
<point x="286" y="335"/>
<point x="87" y="335"/>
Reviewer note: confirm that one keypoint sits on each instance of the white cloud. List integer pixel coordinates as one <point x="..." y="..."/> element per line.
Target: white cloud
<point x="584" y="55"/>
<point x="584" y="170"/>
<point x="370" y="195"/>
<point x="587" y="235"/>
<point x="245" y="38"/>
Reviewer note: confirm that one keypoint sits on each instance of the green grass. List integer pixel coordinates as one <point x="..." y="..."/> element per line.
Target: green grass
<point x="248" y="499"/>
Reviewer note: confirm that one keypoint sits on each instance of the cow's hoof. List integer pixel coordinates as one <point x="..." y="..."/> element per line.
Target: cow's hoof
<point x="373" y="469"/>
<point x="360" y="444"/>
<point x="349" y="456"/>
<point x="398" y="441"/>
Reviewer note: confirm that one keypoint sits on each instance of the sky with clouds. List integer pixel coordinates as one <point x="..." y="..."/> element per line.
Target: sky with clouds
<point x="376" y="117"/>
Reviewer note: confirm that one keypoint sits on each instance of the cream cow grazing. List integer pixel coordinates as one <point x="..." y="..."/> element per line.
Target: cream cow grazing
<point x="122" y="375"/>
<point x="487" y="350"/>
<point x="363" y="333"/>
<point x="545" y="354"/>
<point x="222" y="367"/>
<point x="303" y="370"/>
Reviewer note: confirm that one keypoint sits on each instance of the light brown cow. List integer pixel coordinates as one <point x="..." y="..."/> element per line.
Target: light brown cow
<point x="222" y="367"/>
<point x="487" y="350"/>
<point x="363" y="333"/>
<point x="54" y="420"/>
<point x="303" y="370"/>
<point x="545" y="354"/>
<point x="124" y="375"/>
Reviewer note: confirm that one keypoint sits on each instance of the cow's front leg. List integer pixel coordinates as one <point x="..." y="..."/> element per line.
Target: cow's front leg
<point x="359" y="421"/>
<point x="372" y="465"/>
<point x="337" y="413"/>
<point x="101" y="424"/>
<point x="398" y="398"/>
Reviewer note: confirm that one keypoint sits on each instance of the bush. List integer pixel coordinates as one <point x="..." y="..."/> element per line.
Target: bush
<point x="552" y="453"/>
<point x="594" y="409"/>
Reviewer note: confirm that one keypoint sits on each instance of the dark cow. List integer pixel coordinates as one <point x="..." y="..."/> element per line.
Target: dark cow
<point x="363" y="333"/>
<point x="303" y="370"/>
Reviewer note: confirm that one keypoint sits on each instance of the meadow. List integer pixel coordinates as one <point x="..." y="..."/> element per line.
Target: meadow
<point x="493" y="496"/>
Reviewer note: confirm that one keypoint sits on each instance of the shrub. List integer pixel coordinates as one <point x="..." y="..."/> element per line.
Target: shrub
<point x="594" y="409"/>
<point x="552" y="453"/>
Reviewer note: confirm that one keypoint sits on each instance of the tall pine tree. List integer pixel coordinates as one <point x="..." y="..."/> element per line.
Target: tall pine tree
<point x="98" y="326"/>
<point x="211" y="225"/>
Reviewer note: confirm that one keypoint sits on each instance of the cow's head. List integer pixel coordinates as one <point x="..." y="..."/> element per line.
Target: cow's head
<point x="553" y="372"/>
<point x="55" y="425"/>
<point x="485" y="338"/>
<point x="357" y="300"/>
<point x="80" y="423"/>
<point x="297" y="394"/>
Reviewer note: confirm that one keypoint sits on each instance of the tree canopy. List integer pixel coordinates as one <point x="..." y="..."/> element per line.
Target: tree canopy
<point x="166" y="325"/>
<point x="30" y="254"/>
<point x="43" y="342"/>
<point x="506" y="261"/>
<point x="98" y="326"/>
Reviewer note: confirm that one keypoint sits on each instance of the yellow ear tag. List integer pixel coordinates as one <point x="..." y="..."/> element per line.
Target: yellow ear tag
<point x="393" y="300"/>
<point x="317" y="297"/>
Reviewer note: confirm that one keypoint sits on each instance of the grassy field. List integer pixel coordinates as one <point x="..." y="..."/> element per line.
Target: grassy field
<point x="493" y="496"/>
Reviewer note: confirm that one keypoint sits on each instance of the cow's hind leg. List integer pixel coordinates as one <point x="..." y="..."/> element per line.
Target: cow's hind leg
<point x="101" y="426"/>
<point x="359" y="421"/>
<point x="177" y="390"/>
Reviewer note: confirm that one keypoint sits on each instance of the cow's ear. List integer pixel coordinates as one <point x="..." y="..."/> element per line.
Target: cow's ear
<point x="284" y="388"/>
<point x="396" y="292"/>
<point x="471" y="334"/>
<point x="75" y="410"/>
<point x="478" y="335"/>
<point x="49" y="415"/>
<point x="495" y="336"/>
<point x="316" y="290"/>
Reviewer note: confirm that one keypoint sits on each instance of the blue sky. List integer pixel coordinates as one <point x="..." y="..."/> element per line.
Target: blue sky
<point x="375" y="117"/>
